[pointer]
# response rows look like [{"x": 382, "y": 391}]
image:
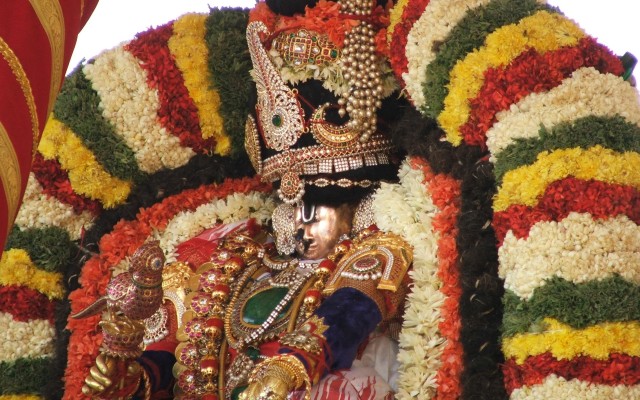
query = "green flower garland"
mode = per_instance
[{"x": 49, "y": 248}]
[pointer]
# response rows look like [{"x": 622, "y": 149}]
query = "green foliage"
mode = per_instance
[
  {"x": 613, "y": 133},
  {"x": 49, "y": 248},
  {"x": 229, "y": 64},
  {"x": 577, "y": 304},
  {"x": 24, "y": 376},
  {"x": 78, "y": 106},
  {"x": 469, "y": 34}
]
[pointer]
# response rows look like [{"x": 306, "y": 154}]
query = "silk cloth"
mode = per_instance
[{"x": 37, "y": 38}]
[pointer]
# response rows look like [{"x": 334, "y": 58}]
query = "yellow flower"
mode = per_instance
[
  {"x": 191, "y": 54},
  {"x": 543, "y": 31},
  {"x": 395, "y": 16},
  {"x": 564, "y": 342},
  {"x": 20, "y": 397},
  {"x": 16, "y": 268},
  {"x": 526, "y": 184},
  {"x": 86, "y": 175}
]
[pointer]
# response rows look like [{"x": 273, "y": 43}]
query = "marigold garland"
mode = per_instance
[
  {"x": 586, "y": 93},
  {"x": 445, "y": 193},
  {"x": 600, "y": 199},
  {"x": 526, "y": 184},
  {"x": 433, "y": 26},
  {"x": 16, "y": 268},
  {"x": 531, "y": 72},
  {"x": 614, "y": 133},
  {"x": 55, "y": 183},
  {"x": 578, "y": 305},
  {"x": 177, "y": 111},
  {"x": 618, "y": 369},
  {"x": 563, "y": 342},
  {"x": 467, "y": 35},
  {"x": 543, "y": 31},
  {"x": 399, "y": 37},
  {"x": 188, "y": 47},
  {"x": 131, "y": 106},
  {"x": 395, "y": 17},
  {"x": 86, "y": 175},
  {"x": 125, "y": 238},
  {"x": 49, "y": 248},
  {"x": 578, "y": 249}
]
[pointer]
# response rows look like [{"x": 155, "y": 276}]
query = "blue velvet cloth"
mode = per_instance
[
  {"x": 351, "y": 317},
  {"x": 158, "y": 365}
]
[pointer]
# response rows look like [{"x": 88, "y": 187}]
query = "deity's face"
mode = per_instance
[{"x": 319, "y": 229}]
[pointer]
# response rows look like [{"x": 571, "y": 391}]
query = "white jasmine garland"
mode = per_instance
[
  {"x": 406, "y": 209},
  {"x": 434, "y": 25},
  {"x": 587, "y": 92},
  {"x": 557, "y": 388},
  {"x": 232, "y": 208},
  {"x": 131, "y": 106},
  {"x": 41, "y": 211},
  {"x": 578, "y": 249},
  {"x": 25, "y": 339}
]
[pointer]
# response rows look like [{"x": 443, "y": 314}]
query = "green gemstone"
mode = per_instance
[
  {"x": 259, "y": 306},
  {"x": 235, "y": 393},
  {"x": 276, "y": 120},
  {"x": 253, "y": 353},
  {"x": 314, "y": 39},
  {"x": 312, "y": 61},
  {"x": 333, "y": 53}
]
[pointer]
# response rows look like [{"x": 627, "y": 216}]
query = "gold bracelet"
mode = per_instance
[{"x": 286, "y": 367}]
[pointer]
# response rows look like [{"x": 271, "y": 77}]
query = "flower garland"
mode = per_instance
[
  {"x": 131, "y": 106},
  {"x": 29, "y": 339},
  {"x": 41, "y": 211},
  {"x": 464, "y": 38},
  {"x": 543, "y": 31},
  {"x": 577, "y": 304},
  {"x": 55, "y": 183},
  {"x": 125, "y": 238},
  {"x": 25, "y": 304},
  {"x": 582, "y": 132},
  {"x": 16, "y": 268},
  {"x": 586, "y": 93},
  {"x": 395, "y": 17},
  {"x": 445, "y": 193},
  {"x": 406, "y": 209},
  {"x": 188, "y": 46},
  {"x": 226, "y": 39},
  {"x": 564, "y": 342},
  {"x": 602, "y": 200},
  {"x": 25, "y": 375},
  {"x": 526, "y": 184},
  {"x": 564, "y": 248},
  {"x": 86, "y": 175},
  {"x": 398, "y": 37},
  {"x": 531, "y": 72},
  {"x": 433, "y": 26},
  {"x": 554, "y": 387},
  {"x": 177, "y": 111},
  {"x": 616, "y": 370},
  {"x": 78, "y": 107}
]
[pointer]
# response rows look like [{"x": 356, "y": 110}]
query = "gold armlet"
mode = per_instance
[{"x": 286, "y": 368}]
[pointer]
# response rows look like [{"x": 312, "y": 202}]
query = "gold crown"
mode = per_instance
[{"x": 280, "y": 118}]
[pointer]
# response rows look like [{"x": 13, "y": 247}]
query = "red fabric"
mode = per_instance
[{"x": 22, "y": 31}]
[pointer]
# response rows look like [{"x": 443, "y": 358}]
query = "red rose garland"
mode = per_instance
[
  {"x": 398, "y": 56},
  {"x": 25, "y": 304}
]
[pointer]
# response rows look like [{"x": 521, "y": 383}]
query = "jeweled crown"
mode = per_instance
[{"x": 320, "y": 80}]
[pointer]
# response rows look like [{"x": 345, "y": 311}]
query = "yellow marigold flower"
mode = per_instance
[
  {"x": 86, "y": 175},
  {"x": 16, "y": 268},
  {"x": 395, "y": 16},
  {"x": 565, "y": 343},
  {"x": 543, "y": 31},
  {"x": 191, "y": 54},
  {"x": 20, "y": 397},
  {"x": 526, "y": 184}
]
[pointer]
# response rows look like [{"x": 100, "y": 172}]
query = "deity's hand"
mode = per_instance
[
  {"x": 268, "y": 388},
  {"x": 275, "y": 378},
  {"x": 112, "y": 377}
]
